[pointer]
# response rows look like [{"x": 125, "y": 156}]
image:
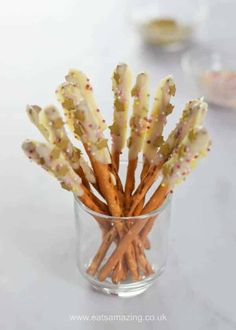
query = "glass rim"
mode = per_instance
[{"x": 125, "y": 218}]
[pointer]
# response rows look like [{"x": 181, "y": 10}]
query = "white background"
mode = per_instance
[{"x": 39, "y": 284}]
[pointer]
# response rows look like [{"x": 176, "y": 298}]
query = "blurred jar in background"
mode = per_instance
[
  {"x": 212, "y": 65},
  {"x": 168, "y": 24}
]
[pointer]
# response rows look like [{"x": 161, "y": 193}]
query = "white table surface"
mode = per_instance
[{"x": 40, "y": 286}]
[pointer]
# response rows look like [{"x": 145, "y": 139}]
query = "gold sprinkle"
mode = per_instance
[
  {"x": 116, "y": 77},
  {"x": 114, "y": 128},
  {"x": 58, "y": 123},
  {"x": 101, "y": 144},
  {"x": 192, "y": 135},
  {"x": 63, "y": 143},
  {"x": 55, "y": 153},
  {"x": 182, "y": 151},
  {"x": 165, "y": 149},
  {"x": 119, "y": 106},
  {"x": 68, "y": 104},
  {"x": 80, "y": 115},
  {"x": 63, "y": 170},
  {"x": 75, "y": 156},
  {"x": 41, "y": 161},
  {"x": 134, "y": 91},
  {"x": 129, "y": 143},
  {"x": 158, "y": 142},
  {"x": 169, "y": 109},
  {"x": 172, "y": 90},
  {"x": 65, "y": 186}
]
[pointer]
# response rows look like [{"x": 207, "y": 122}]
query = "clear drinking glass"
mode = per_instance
[{"x": 151, "y": 254}]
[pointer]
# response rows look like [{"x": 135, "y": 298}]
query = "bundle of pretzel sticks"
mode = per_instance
[{"x": 96, "y": 182}]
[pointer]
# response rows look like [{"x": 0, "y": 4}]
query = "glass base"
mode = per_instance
[{"x": 124, "y": 289}]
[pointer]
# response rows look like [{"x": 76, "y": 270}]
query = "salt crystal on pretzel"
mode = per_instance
[{"x": 121, "y": 86}]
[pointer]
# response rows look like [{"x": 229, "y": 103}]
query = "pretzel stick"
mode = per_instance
[
  {"x": 121, "y": 86},
  {"x": 88, "y": 128},
  {"x": 193, "y": 116},
  {"x": 138, "y": 125},
  {"x": 194, "y": 146},
  {"x": 51, "y": 159}
]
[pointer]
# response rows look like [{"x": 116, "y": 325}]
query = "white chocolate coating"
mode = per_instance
[
  {"x": 33, "y": 112},
  {"x": 139, "y": 121},
  {"x": 121, "y": 86},
  {"x": 51, "y": 119},
  {"x": 83, "y": 121},
  {"x": 52, "y": 160},
  {"x": 161, "y": 109},
  {"x": 193, "y": 116},
  {"x": 81, "y": 80},
  {"x": 194, "y": 146}
]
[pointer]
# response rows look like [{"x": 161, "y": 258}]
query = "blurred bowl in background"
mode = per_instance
[
  {"x": 214, "y": 74},
  {"x": 170, "y": 25}
]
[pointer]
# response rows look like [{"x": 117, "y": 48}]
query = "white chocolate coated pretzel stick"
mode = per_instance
[
  {"x": 178, "y": 167},
  {"x": 51, "y": 159},
  {"x": 121, "y": 86},
  {"x": 138, "y": 125},
  {"x": 158, "y": 118},
  {"x": 50, "y": 118},
  {"x": 51, "y": 125},
  {"x": 161, "y": 109},
  {"x": 193, "y": 116},
  {"x": 191, "y": 149}
]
